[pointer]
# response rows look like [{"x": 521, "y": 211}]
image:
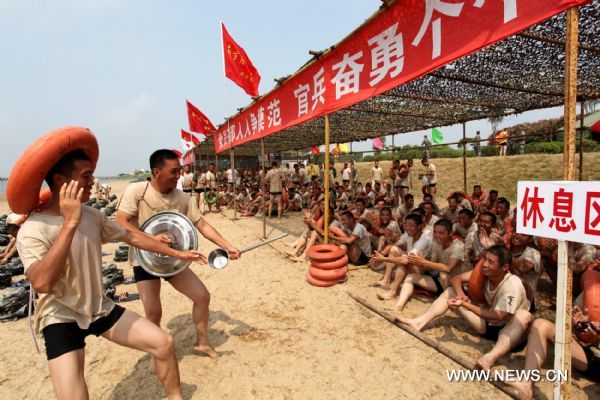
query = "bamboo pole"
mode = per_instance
[
  {"x": 564, "y": 287},
  {"x": 464, "y": 126},
  {"x": 326, "y": 182},
  {"x": 232, "y": 155},
  {"x": 581, "y": 127},
  {"x": 468, "y": 364},
  {"x": 264, "y": 222}
]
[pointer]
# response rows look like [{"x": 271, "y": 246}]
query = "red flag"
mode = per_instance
[
  {"x": 377, "y": 144},
  {"x": 190, "y": 137},
  {"x": 238, "y": 66},
  {"x": 315, "y": 150},
  {"x": 198, "y": 121}
]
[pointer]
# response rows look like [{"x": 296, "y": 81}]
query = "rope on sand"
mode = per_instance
[{"x": 468, "y": 364}]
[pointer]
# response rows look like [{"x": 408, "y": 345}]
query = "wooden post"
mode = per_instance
[
  {"x": 232, "y": 155},
  {"x": 464, "y": 157},
  {"x": 581, "y": 127},
  {"x": 326, "y": 182},
  {"x": 262, "y": 150},
  {"x": 564, "y": 287},
  {"x": 393, "y": 144}
]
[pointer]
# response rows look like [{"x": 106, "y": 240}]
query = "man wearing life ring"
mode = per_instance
[
  {"x": 504, "y": 318},
  {"x": 142, "y": 200},
  {"x": 60, "y": 247}
]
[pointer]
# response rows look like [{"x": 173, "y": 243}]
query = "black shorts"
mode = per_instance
[
  {"x": 593, "y": 370},
  {"x": 187, "y": 190},
  {"x": 438, "y": 285},
  {"x": 402, "y": 187},
  {"x": 504, "y": 144},
  {"x": 363, "y": 259},
  {"x": 65, "y": 337},
  {"x": 492, "y": 332},
  {"x": 432, "y": 184},
  {"x": 275, "y": 193},
  {"x": 199, "y": 190},
  {"x": 140, "y": 274},
  {"x": 313, "y": 178}
]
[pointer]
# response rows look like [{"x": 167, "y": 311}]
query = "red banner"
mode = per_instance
[
  {"x": 189, "y": 157},
  {"x": 402, "y": 43}
]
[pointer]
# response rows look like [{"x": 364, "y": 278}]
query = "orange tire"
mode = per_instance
[
  {"x": 326, "y": 265},
  {"x": 318, "y": 282},
  {"x": 476, "y": 282},
  {"x": 28, "y": 173},
  {"x": 327, "y": 274},
  {"x": 337, "y": 232},
  {"x": 325, "y": 253}
]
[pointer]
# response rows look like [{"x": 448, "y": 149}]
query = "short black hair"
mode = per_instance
[
  {"x": 476, "y": 187},
  {"x": 359, "y": 201},
  {"x": 504, "y": 200},
  {"x": 489, "y": 214},
  {"x": 157, "y": 159},
  {"x": 428, "y": 195},
  {"x": 494, "y": 191},
  {"x": 418, "y": 211},
  {"x": 445, "y": 223},
  {"x": 467, "y": 212},
  {"x": 408, "y": 196},
  {"x": 503, "y": 254},
  {"x": 385, "y": 210},
  {"x": 348, "y": 214},
  {"x": 65, "y": 165},
  {"x": 414, "y": 217}
]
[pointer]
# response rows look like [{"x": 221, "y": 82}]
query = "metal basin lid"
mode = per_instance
[{"x": 183, "y": 235}]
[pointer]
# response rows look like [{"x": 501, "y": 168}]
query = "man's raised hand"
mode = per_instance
[{"x": 70, "y": 202}]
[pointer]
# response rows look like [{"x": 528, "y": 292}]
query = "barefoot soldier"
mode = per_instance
[
  {"x": 61, "y": 249},
  {"x": 142, "y": 200}
]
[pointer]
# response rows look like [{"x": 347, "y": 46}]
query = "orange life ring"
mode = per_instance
[
  {"x": 327, "y": 274},
  {"x": 325, "y": 253},
  {"x": 246, "y": 214},
  {"x": 321, "y": 222},
  {"x": 320, "y": 283},
  {"x": 476, "y": 282},
  {"x": 28, "y": 173},
  {"x": 590, "y": 282},
  {"x": 45, "y": 197},
  {"x": 327, "y": 265},
  {"x": 337, "y": 232}
]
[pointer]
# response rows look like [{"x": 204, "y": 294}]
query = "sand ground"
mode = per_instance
[{"x": 279, "y": 337}]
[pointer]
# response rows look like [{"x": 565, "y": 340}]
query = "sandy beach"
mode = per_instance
[{"x": 279, "y": 338}]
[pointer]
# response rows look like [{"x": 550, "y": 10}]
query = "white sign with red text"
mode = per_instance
[{"x": 563, "y": 210}]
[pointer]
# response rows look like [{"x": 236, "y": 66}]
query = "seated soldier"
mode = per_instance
[
  {"x": 294, "y": 201},
  {"x": 463, "y": 200},
  {"x": 385, "y": 231},
  {"x": 342, "y": 199},
  {"x": 428, "y": 198},
  {"x": 317, "y": 233},
  {"x": 451, "y": 212},
  {"x": 490, "y": 202},
  {"x": 412, "y": 241},
  {"x": 483, "y": 238},
  {"x": 526, "y": 264},
  {"x": 13, "y": 223},
  {"x": 357, "y": 245},
  {"x": 429, "y": 218},
  {"x": 585, "y": 357},
  {"x": 465, "y": 224},
  {"x": 477, "y": 197},
  {"x": 504, "y": 220},
  {"x": 360, "y": 212},
  {"x": 447, "y": 261},
  {"x": 407, "y": 207},
  {"x": 310, "y": 219},
  {"x": 380, "y": 192},
  {"x": 503, "y": 318}
]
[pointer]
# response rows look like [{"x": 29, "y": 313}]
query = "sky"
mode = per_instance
[{"x": 124, "y": 68}]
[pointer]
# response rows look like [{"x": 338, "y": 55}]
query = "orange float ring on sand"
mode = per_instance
[
  {"x": 28, "y": 173},
  {"x": 342, "y": 262},
  {"x": 320, "y": 283},
  {"x": 325, "y": 253},
  {"x": 476, "y": 282},
  {"x": 328, "y": 274},
  {"x": 337, "y": 232}
]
